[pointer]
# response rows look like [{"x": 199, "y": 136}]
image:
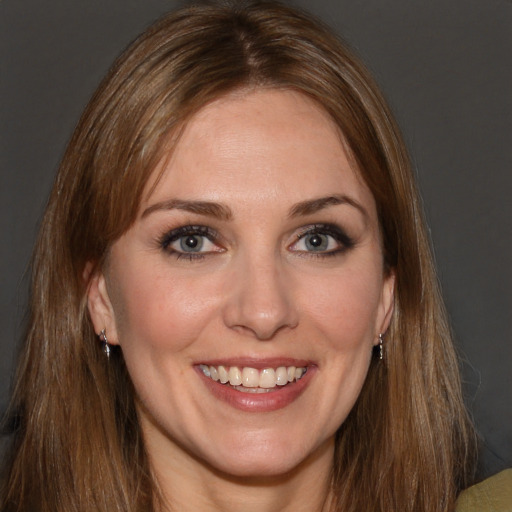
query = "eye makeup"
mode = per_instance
[
  {"x": 191, "y": 241},
  {"x": 195, "y": 242},
  {"x": 322, "y": 240}
]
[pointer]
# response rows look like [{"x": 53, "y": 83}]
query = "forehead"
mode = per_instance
[{"x": 267, "y": 142}]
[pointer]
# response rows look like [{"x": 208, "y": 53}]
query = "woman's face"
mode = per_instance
[{"x": 250, "y": 291}]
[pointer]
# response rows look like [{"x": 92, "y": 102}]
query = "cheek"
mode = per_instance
[
  {"x": 161, "y": 310},
  {"x": 346, "y": 307},
  {"x": 345, "y": 312}
]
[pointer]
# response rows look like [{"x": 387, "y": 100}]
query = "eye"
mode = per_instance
[
  {"x": 190, "y": 241},
  {"x": 322, "y": 240},
  {"x": 316, "y": 242}
]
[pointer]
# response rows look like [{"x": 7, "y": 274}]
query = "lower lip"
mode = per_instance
[{"x": 277, "y": 398}]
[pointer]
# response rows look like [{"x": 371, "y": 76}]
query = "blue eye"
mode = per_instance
[
  {"x": 317, "y": 242},
  {"x": 322, "y": 240},
  {"x": 190, "y": 241}
]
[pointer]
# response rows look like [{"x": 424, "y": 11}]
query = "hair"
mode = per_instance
[{"x": 76, "y": 445}]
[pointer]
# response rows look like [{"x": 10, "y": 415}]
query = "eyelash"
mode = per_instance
[
  {"x": 344, "y": 241},
  {"x": 175, "y": 234}
]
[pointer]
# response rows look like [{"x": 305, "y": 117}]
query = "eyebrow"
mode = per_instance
[
  {"x": 210, "y": 209},
  {"x": 315, "y": 205},
  {"x": 223, "y": 212}
]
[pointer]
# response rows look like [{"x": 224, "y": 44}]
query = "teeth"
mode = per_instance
[
  {"x": 250, "y": 378},
  {"x": 223, "y": 374},
  {"x": 268, "y": 378},
  {"x": 247, "y": 377},
  {"x": 235, "y": 376},
  {"x": 214, "y": 374},
  {"x": 282, "y": 376}
]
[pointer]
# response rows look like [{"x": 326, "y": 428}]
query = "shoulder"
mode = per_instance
[{"x": 491, "y": 495}]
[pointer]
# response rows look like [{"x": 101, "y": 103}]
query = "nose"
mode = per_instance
[{"x": 260, "y": 299}]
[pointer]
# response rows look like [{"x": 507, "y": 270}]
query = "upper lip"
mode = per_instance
[{"x": 256, "y": 362}]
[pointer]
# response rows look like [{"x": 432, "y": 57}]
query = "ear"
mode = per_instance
[
  {"x": 100, "y": 307},
  {"x": 387, "y": 303}
]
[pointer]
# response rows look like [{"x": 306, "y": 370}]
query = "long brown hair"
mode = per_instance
[{"x": 406, "y": 446}]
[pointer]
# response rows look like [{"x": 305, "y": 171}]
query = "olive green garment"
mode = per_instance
[{"x": 491, "y": 495}]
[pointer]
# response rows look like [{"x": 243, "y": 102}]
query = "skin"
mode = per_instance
[{"x": 257, "y": 291}]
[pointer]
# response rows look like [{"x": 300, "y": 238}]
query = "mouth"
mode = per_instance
[
  {"x": 252, "y": 380},
  {"x": 256, "y": 385}
]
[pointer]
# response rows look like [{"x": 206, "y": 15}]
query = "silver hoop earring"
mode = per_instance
[
  {"x": 381, "y": 347},
  {"x": 104, "y": 341}
]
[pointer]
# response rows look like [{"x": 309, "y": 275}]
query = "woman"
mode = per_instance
[{"x": 233, "y": 302}]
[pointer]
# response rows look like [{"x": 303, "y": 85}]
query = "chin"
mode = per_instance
[
  {"x": 257, "y": 468},
  {"x": 269, "y": 460}
]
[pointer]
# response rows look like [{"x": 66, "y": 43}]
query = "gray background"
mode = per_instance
[{"x": 445, "y": 66}]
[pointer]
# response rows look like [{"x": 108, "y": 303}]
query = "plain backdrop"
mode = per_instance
[{"x": 445, "y": 67}]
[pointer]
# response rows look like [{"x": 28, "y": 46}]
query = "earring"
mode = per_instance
[
  {"x": 104, "y": 341},
  {"x": 381, "y": 347}
]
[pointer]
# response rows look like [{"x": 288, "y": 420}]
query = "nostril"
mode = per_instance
[
  {"x": 260, "y": 319},
  {"x": 259, "y": 332},
  {"x": 260, "y": 303}
]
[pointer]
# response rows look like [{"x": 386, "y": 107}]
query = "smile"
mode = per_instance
[{"x": 252, "y": 380}]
